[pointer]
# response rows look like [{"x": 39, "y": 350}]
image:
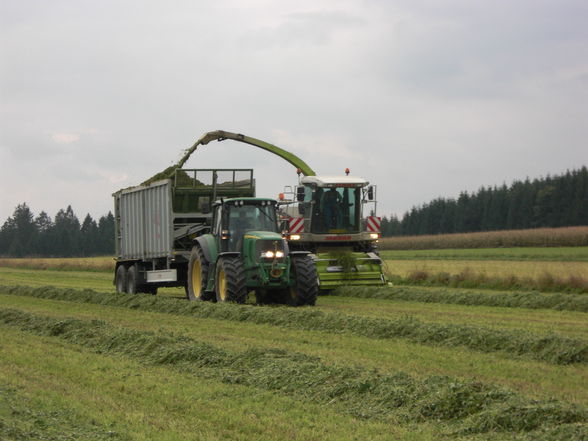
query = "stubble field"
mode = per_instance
[{"x": 398, "y": 363}]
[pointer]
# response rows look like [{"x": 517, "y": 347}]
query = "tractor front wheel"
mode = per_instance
[
  {"x": 230, "y": 280},
  {"x": 305, "y": 286}
]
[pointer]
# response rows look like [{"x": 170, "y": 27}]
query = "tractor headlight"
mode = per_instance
[
  {"x": 269, "y": 254},
  {"x": 279, "y": 254},
  {"x": 295, "y": 237},
  {"x": 374, "y": 236}
]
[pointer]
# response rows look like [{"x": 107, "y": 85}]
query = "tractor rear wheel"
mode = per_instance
[
  {"x": 120, "y": 279},
  {"x": 305, "y": 288},
  {"x": 198, "y": 276},
  {"x": 230, "y": 280}
]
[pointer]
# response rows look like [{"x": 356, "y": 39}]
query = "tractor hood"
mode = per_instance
[{"x": 262, "y": 235}]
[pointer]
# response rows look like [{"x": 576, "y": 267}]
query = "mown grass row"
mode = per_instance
[
  {"x": 21, "y": 420},
  {"x": 529, "y": 299},
  {"x": 539, "y": 237},
  {"x": 550, "y": 348},
  {"x": 466, "y": 407}
]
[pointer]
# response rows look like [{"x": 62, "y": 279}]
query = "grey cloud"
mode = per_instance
[{"x": 424, "y": 98}]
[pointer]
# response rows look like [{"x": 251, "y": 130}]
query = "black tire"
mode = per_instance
[
  {"x": 132, "y": 280},
  {"x": 150, "y": 289},
  {"x": 198, "y": 269},
  {"x": 230, "y": 280},
  {"x": 305, "y": 287},
  {"x": 120, "y": 279}
]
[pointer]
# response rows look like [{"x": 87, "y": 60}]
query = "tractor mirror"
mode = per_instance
[
  {"x": 300, "y": 194},
  {"x": 371, "y": 193},
  {"x": 284, "y": 225}
]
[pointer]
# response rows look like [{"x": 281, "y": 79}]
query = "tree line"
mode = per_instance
[
  {"x": 23, "y": 234},
  {"x": 552, "y": 201}
]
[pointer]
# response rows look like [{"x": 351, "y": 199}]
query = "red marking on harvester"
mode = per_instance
[
  {"x": 296, "y": 225},
  {"x": 373, "y": 224}
]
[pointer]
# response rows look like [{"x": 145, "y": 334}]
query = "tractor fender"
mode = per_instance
[
  {"x": 228, "y": 254},
  {"x": 299, "y": 253},
  {"x": 208, "y": 247}
]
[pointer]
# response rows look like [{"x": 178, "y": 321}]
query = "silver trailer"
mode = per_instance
[{"x": 155, "y": 224}]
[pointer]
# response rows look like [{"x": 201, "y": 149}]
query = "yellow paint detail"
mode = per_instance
[
  {"x": 196, "y": 277},
  {"x": 251, "y": 236},
  {"x": 222, "y": 285}
]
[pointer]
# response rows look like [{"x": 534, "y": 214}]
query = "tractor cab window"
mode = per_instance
[
  {"x": 336, "y": 210},
  {"x": 241, "y": 218}
]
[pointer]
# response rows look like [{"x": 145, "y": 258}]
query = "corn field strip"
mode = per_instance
[
  {"x": 472, "y": 407},
  {"x": 547, "y": 348}
]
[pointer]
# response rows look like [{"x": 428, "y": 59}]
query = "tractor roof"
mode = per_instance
[
  {"x": 249, "y": 199},
  {"x": 334, "y": 181}
]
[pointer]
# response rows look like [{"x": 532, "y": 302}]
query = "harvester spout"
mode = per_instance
[{"x": 221, "y": 135}]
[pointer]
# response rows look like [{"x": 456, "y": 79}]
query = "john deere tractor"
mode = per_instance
[{"x": 245, "y": 251}]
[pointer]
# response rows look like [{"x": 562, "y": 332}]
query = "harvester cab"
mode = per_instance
[
  {"x": 333, "y": 217},
  {"x": 245, "y": 251}
]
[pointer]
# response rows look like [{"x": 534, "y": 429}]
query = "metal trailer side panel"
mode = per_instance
[
  {"x": 157, "y": 212},
  {"x": 145, "y": 222}
]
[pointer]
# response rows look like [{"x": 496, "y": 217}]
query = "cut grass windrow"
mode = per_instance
[
  {"x": 22, "y": 420},
  {"x": 464, "y": 407},
  {"x": 549, "y": 348},
  {"x": 528, "y": 299}
]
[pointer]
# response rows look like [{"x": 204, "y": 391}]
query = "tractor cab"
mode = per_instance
[{"x": 240, "y": 218}]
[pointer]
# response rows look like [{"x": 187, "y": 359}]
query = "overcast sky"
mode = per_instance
[{"x": 422, "y": 98}]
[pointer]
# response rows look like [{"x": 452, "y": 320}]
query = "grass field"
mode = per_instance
[{"x": 402, "y": 363}]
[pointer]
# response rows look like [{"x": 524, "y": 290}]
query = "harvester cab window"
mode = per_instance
[{"x": 336, "y": 210}]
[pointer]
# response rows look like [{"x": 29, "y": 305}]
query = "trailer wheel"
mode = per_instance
[
  {"x": 230, "y": 280},
  {"x": 198, "y": 276},
  {"x": 305, "y": 288},
  {"x": 120, "y": 279},
  {"x": 132, "y": 279}
]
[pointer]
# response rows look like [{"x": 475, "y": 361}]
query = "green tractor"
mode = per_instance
[{"x": 245, "y": 251}]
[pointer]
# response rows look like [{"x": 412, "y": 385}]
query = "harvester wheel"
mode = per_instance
[
  {"x": 198, "y": 276},
  {"x": 305, "y": 288},
  {"x": 230, "y": 280},
  {"x": 120, "y": 279},
  {"x": 132, "y": 279}
]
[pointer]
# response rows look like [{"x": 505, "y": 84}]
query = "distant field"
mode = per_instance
[
  {"x": 492, "y": 268},
  {"x": 105, "y": 263},
  {"x": 563, "y": 254},
  {"x": 541, "y": 237}
]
